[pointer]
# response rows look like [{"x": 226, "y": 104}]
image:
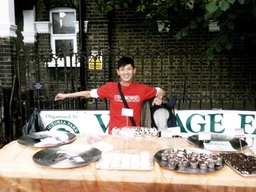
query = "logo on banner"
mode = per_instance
[{"x": 62, "y": 125}]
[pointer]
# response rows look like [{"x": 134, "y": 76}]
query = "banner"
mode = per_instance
[
  {"x": 76, "y": 121},
  {"x": 189, "y": 121},
  {"x": 216, "y": 121}
]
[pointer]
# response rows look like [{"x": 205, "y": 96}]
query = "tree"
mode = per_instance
[{"x": 236, "y": 19}]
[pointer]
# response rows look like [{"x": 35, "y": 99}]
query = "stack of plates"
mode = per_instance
[{"x": 126, "y": 161}]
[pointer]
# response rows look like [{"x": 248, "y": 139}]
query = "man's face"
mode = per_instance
[{"x": 126, "y": 73}]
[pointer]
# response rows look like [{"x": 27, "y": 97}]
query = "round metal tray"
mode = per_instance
[
  {"x": 67, "y": 156},
  {"x": 188, "y": 169}
]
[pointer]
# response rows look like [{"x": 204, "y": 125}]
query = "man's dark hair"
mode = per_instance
[{"x": 125, "y": 61}]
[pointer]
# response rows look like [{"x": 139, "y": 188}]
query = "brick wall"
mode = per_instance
[
  {"x": 7, "y": 61},
  {"x": 161, "y": 60}
]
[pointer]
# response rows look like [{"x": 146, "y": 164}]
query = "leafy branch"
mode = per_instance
[{"x": 236, "y": 18}]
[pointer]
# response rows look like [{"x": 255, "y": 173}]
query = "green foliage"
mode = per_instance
[
  {"x": 75, "y": 2},
  {"x": 236, "y": 18}
]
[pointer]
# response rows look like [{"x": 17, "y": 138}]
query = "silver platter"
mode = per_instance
[
  {"x": 67, "y": 156},
  {"x": 47, "y": 139},
  {"x": 188, "y": 169},
  {"x": 236, "y": 143}
]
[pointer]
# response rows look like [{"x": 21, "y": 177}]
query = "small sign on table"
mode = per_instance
[{"x": 205, "y": 136}]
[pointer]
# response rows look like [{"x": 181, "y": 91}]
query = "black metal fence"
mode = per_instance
[{"x": 228, "y": 82}]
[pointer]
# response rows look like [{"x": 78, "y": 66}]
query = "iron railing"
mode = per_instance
[{"x": 228, "y": 82}]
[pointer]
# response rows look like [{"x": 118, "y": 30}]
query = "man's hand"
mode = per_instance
[
  {"x": 60, "y": 96},
  {"x": 157, "y": 101}
]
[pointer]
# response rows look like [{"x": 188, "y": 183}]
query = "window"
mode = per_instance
[{"x": 63, "y": 34}]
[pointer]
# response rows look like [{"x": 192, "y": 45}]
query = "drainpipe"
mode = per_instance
[{"x": 83, "y": 67}]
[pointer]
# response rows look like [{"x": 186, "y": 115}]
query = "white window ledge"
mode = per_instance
[
  {"x": 42, "y": 26},
  {"x": 28, "y": 37},
  {"x": 8, "y": 30}
]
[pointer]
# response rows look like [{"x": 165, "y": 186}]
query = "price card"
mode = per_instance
[
  {"x": 127, "y": 112},
  {"x": 239, "y": 132},
  {"x": 219, "y": 146},
  {"x": 204, "y": 136},
  {"x": 171, "y": 132},
  {"x": 167, "y": 133},
  {"x": 175, "y": 130}
]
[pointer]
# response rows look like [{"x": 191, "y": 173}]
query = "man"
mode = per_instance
[{"x": 134, "y": 93}]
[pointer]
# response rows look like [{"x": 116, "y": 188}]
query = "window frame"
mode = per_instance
[{"x": 55, "y": 37}]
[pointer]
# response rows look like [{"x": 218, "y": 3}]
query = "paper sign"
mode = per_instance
[
  {"x": 219, "y": 146},
  {"x": 171, "y": 132},
  {"x": 127, "y": 112},
  {"x": 175, "y": 130},
  {"x": 204, "y": 136},
  {"x": 166, "y": 133},
  {"x": 239, "y": 132}
]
